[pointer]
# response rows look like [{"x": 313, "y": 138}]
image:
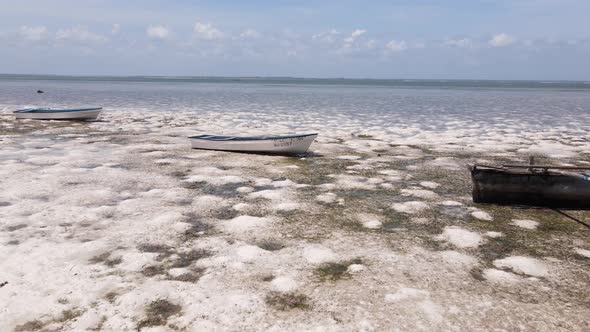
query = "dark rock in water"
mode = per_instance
[{"x": 40, "y": 91}]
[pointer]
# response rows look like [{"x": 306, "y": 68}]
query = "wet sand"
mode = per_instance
[{"x": 118, "y": 225}]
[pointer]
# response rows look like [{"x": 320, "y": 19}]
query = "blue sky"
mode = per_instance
[{"x": 472, "y": 39}]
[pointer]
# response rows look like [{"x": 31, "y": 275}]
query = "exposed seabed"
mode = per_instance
[{"x": 119, "y": 225}]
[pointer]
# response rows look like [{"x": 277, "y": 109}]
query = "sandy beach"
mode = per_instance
[{"x": 118, "y": 225}]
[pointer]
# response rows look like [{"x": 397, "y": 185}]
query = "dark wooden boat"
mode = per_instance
[{"x": 532, "y": 185}]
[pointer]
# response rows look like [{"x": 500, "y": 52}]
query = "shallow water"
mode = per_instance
[{"x": 427, "y": 106}]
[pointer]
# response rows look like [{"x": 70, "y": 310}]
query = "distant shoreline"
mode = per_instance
[{"x": 442, "y": 83}]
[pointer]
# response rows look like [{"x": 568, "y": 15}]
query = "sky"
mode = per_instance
[{"x": 398, "y": 39}]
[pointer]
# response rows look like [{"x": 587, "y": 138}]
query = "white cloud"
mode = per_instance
[
  {"x": 353, "y": 37},
  {"x": 115, "y": 29},
  {"x": 327, "y": 37},
  {"x": 501, "y": 40},
  {"x": 371, "y": 43},
  {"x": 396, "y": 46},
  {"x": 79, "y": 34},
  {"x": 33, "y": 33},
  {"x": 460, "y": 43},
  {"x": 206, "y": 31},
  {"x": 249, "y": 34},
  {"x": 357, "y": 33},
  {"x": 157, "y": 32}
]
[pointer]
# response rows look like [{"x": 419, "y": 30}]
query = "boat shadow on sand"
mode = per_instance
[{"x": 309, "y": 154}]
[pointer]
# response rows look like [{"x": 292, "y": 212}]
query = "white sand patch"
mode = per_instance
[
  {"x": 445, "y": 162},
  {"x": 501, "y": 277},
  {"x": 482, "y": 215},
  {"x": 262, "y": 182},
  {"x": 157, "y": 329},
  {"x": 178, "y": 271},
  {"x": 451, "y": 203},
  {"x": 525, "y": 223},
  {"x": 550, "y": 149},
  {"x": 327, "y": 198},
  {"x": 365, "y": 326},
  {"x": 406, "y": 293},
  {"x": 583, "y": 252},
  {"x": 88, "y": 197},
  {"x": 370, "y": 221},
  {"x": 166, "y": 219},
  {"x": 249, "y": 253},
  {"x": 287, "y": 183},
  {"x": 214, "y": 176},
  {"x": 245, "y": 190},
  {"x": 317, "y": 254},
  {"x": 349, "y": 182},
  {"x": 135, "y": 261},
  {"x": 241, "y": 207},
  {"x": 288, "y": 206},
  {"x": 524, "y": 265},
  {"x": 493, "y": 235},
  {"x": 375, "y": 180},
  {"x": 165, "y": 161},
  {"x": 460, "y": 238},
  {"x": 210, "y": 202},
  {"x": 89, "y": 321},
  {"x": 390, "y": 172},
  {"x": 327, "y": 186},
  {"x": 458, "y": 259},
  {"x": 429, "y": 184},
  {"x": 273, "y": 195},
  {"x": 420, "y": 193},
  {"x": 431, "y": 310},
  {"x": 243, "y": 224},
  {"x": 356, "y": 268},
  {"x": 284, "y": 284},
  {"x": 412, "y": 207}
]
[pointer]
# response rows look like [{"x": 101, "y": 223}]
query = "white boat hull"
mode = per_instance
[
  {"x": 78, "y": 115},
  {"x": 278, "y": 145}
]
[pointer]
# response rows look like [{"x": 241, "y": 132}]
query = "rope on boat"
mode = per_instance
[{"x": 572, "y": 218}]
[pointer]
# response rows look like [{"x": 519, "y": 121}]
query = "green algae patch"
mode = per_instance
[
  {"x": 287, "y": 301},
  {"x": 335, "y": 271},
  {"x": 158, "y": 312}
]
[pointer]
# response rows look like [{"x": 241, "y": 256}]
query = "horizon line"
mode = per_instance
[{"x": 294, "y": 78}]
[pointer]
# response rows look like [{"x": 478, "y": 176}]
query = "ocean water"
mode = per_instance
[{"x": 429, "y": 104}]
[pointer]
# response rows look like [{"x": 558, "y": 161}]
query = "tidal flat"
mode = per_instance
[{"x": 119, "y": 225}]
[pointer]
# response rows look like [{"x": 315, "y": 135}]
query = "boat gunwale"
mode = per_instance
[
  {"x": 221, "y": 138},
  {"x": 529, "y": 169},
  {"x": 47, "y": 110}
]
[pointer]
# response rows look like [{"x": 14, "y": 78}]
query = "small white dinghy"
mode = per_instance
[
  {"x": 58, "y": 114},
  {"x": 277, "y": 144}
]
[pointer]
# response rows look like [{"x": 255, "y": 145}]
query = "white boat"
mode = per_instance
[
  {"x": 276, "y": 144},
  {"x": 58, "y": 114}
]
